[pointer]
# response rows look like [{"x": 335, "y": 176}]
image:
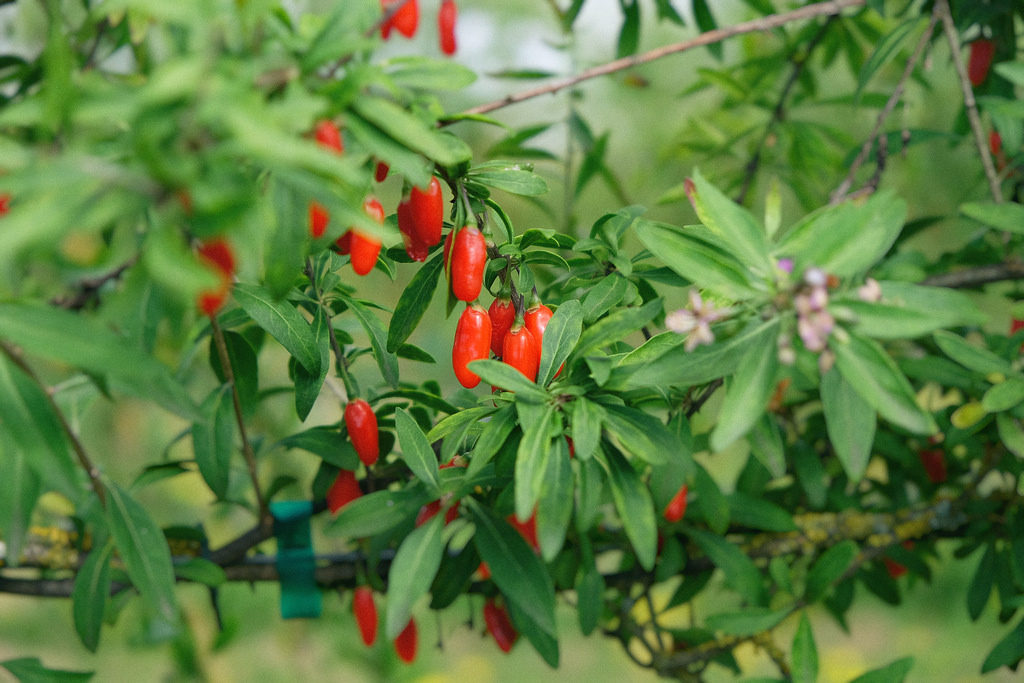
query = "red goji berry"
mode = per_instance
[
  {"x": 426, "y": 211},
  {"x": 406, "y": 20},
  {"x": 469, "y": 258},
  {"x": 527, "y": 529},
  {"x": 521, "y": 351},
  {"x": 982, "y": 51},
  {"x": 499, "y": 625},
  {"x": 365, "y": 248},
  {"x": 318, "y": 219},
  {"x": 446, "y": 26},
  {"x": 380, "y": 173},
  {"x": 536, "y": 320},
  {"x": 502, "y": 314},
  {"x": 427, "y": 512},
  {"x": 406, "y": 642},
  {"x": 329, "y": 137},
  {"x": 934, "y": 462},
  {"x": 676, "y": 507},
  {"x": 361, "y": 423},
  {"x": 472, "y": 341},
  {"x": 343, "y": 491},
  {"x": 218, "y": 255},
  {"x": 365, "y": 610}
]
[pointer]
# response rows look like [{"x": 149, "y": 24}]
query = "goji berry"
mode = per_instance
[
  {"x": 380, "y": 173},
  {"x": 365, "y": 610},
  {"x": 318, "y": 219},
  {"x": 982, "y": 51},
  {"x": 361, "y": 423},
  {"x": 676, "y": 507},
  {"x": 220, "y": 257},
  {"x": 468, "y": 260},
  {"x": 527, "y": 529},
  {"x": 406, "y": 642},
  {"x": 502, "y": 314},
  {"x": 365, "y": 248},
  {"x": 406, "y": 20},
  {"x": 446, "y": 26},
  {"x": 472, "y": 341},
  {"x": 521, "y": 351},
  {"x": 329, "y": 137},
  {"x": 934, "y": 462},
  {"x": 536, "y": 320},
  {"x": 499, "y": 625},
  {"x": 343, "y": 491},
  {"x": 425, "y": 213}
]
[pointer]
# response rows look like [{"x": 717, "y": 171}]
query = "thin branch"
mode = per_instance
[
  {"x": 942, "y": 7},
  {"x": 977, "y": 276},
  {"x": 266, "y": 520},
  {"x": 780, "y": 108},
  {"x": 83, "y": 458},
  {"x": 707, "y": 38},
  {"x": 840, "y": 193}
]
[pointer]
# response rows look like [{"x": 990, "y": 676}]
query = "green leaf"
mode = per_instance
[
  {"x": 896, "y": 672},
  {"x": 1004, "y": 396},
  {"x": 746, "y": 396},
  {"x": 378, "y": 512},
  {"x": 634, "y": 505},
  {"x": 508, "y": 176},
  {"x": 414, "y": 301},
  {"x": 981, "y": 584},
  {"x": 532, "y": 463},
  {"x": 554, "y": 507},
  {"x": 618, "y": 326},
  {"x": 202, "y": 571},
  {"x": 339, "y": 37},
  {"x": 492, "y": 438},
  {"x": 282, "y": 322},
  {"x": 885, "y": 50},
  {"x": 805, "y": 653},
  {"x": 142, "y": 546},
  {"x": 874, "y": 375},
  {"x": 410, "y": 71},
  {"x": 758, "y": 513},
  {"x": 1007, "y": 652},
  {"x": 590, "y": 587},
  {"x": 606, "y": 294},
  {"x": 284, "y": 242},
  {"x": 325, "y": 442},
  {"x": 412, "y": 571},
  {"x": 516, "y": 570},
  {"x": 37, "y": 440},
  {"x": 749, "y": 622},
  {"x": 687, "y": 252},
  {"x": 213, "y": 440},
  {"x": 706, "y": 22},
  {"x": 739, "y": 231},
  {"x": 710, "y": 502},
  {"x": 560, "y": 337},
  {"x": 908, "y": 311},
  {"x": 386, "y": 361},
  {"x": 740, "y": 571},
  {"x": 850, "y": 421},
  {"x": 510, "y": 379},
  {"x": 45, "y": 331},
  {"x": 416, "y": 451},
  {"x": 847, "y": 239},
  {"x": 642, "y": 435},
  {"x": 766, "y": 445},
  {"x": 832, "y": 564},
  {"x": 629, "y": 33},
  {"x": 1007, "y": 216},
  {"x": 402, "y": 160},
  {"x": 586, "y": 427},
  {"x": 89, "y": 596},
  {"x": 307, "y": 384},
  {"x": 31, "y": 670},
  {"x": 971, "y": 357},
  {"x": 1011, "y": 433},
  {"x": 413, "y": 132}
]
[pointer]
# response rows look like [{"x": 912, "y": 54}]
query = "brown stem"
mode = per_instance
[
  {"x": 942, "y": 8},
  {"x": 978, "y": 275},
  {"x": 76, "y": 444},
  {"x": 840, "y": 194},
  {"x": 706, "y": 38},
  {"x": 266, "y": 520}
]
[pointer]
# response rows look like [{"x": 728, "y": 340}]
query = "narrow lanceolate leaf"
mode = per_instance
[
  {"x": 850, "y": 421},
  {"x": 847, "y": 239},
  {"x": 416, "y": 450},
  {"x": 735, "y": 226},
  {"x": 213, "y": 440},
  {"x": 873, "y": 374},
  {"x": 970, "y": 356},
  {"x": 805, "y": 653},
  {"x": 89, "y": 597},
  {"x": 885, "y": 50},
  {"x": 21, "y": 491},
  {"x": 413, "y": 302},
  {"x": 633, "y": 503},
  {"x": 748, "y": 622},
  {"x": 896, "y": 672},
  {"x": 740, "y": 571},
  {"x": 1007, "y": 652},
  {"x": 378, "y": 512},
  {"x": 618, "y": 326},
  {"x": 554, "y": 509},
  {"x": 642, "y": 435},
  {"x": 532, "y": 463},
  {"x": 907, "y": 311},
  {"x": 282, "y": 322},
  {"x": 517, "y": 571},
  {"x": 712, "y": 266},
  {"x": 560, "y": 337},
  {"x": 413, "y": 132},
  {"x": 307, "y": 384},
  {"x": 44, "y": 331},
  {"x": 142, "y": 546},
  {"x": 386, "y": 361},
  {"x": 31, "y": 670},
  {"x": 747, "y": 395},
  {"x": 509, "y": 177},
  {"x": 507, "y": 377},
  {"x": 1006, "y": 216},
  {"x": 832, "y": 564},
  {"x": 412, "y": 571},
  {"x": 586, "y": 427}
]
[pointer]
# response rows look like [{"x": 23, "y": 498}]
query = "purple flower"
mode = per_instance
[{"x": 695, "y": 321}]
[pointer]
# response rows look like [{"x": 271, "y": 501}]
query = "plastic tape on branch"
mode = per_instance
[{"x": 296, "y": 563}]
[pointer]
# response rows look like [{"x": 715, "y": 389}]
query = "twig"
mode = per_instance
[
  {"x": 942, "y": 8},
  {"x": 266, "y": 520},
  {"x": 88, "y": 289},
  {"x": 840, "y": 193},
  {"x": 83, "y": 458},
  {"x": 977, "y": 276},
  {"x": 780, "y": 108},
  {"x": 706, "y": 38}
]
